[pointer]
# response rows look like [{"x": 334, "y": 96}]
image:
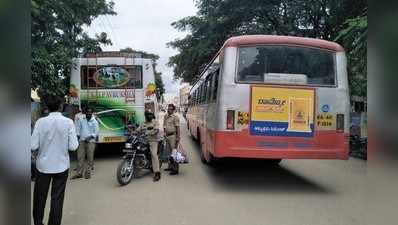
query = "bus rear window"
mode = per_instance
[
  {"x": 111, "y": 77},
  {"x": 286, "y": 64}
]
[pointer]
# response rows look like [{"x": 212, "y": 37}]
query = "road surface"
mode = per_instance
[{"x": 239, "y": 192}]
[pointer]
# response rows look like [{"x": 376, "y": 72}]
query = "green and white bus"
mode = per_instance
[{"x": 118, "y": 86}]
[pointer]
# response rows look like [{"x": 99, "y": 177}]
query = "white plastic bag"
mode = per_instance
[{"x": 178, "y": 156}]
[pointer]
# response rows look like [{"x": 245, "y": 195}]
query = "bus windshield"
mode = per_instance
[{"x": 309, "y": 66}]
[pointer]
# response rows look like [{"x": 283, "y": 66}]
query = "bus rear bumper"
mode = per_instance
[
  {"x": 325, "y": 145},
  {"x": 261, "y": 153}
]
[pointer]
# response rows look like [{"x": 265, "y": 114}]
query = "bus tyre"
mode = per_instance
[
  {"x": 198, "y": 137},
  {"x": 274, "y": 162},
  {"x": 212, "y": 161},
  {"x": 202, "y": 158}
]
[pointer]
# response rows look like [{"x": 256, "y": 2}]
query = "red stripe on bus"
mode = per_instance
[{"x": 324, "y": 145}]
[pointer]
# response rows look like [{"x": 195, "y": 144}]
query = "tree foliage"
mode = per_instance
[
  {"x": 217, "y": 20},
  {"x": 58, "y": 36},
  {"x": 354, "y": 38},
  {"x": 158, "y": 75}
]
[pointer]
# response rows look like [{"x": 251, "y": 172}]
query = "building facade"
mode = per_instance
[{"x": 183, "y": 96}]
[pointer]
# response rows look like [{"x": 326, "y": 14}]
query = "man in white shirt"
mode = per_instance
[
  {"x": 80, "y": 114},
  {"x": 87, "y": 131},
  {"x": 52, "y": 136}
]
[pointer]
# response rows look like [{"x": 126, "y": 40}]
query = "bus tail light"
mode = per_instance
[
  {"x": 340, "y": 123},
  {"x": 230, "y": 119}
]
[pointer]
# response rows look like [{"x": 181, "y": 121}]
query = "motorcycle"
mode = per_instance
[
  {"x": 137, "y": 158},
  {"x": 358, "y": 146}
]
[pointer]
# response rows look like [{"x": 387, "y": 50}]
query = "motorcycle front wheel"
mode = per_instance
[{"x": 125, "y": 171}]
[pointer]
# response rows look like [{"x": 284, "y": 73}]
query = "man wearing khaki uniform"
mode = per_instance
[
  {"x": 87, "y": 129},
  {"x": 171, "y": 126},
  {"x": 151, "y": 130}
]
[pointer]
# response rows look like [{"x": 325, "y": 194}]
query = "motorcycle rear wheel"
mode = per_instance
[{"x": 124, "y": 175}]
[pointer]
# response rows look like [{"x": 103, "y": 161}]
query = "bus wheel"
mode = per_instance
[
  {"x": 202, "y": 158},
  {"x": 198, "y": 137},
  {"x": 274, "y": 162},
  {"x": 212, "y": 161}
]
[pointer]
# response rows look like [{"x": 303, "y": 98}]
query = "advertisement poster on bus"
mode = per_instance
[
  {"x": 115, "y": 93},
  {"x": 278, "y": 111}
]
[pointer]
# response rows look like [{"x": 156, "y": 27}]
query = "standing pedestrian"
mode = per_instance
[
  {"x": 44, "y": 112},
  {"x": 80, "y": 114},
  {"x": 87, "y": 132},
  {"x": 171, "y": 126},
  {"x": 151, "y": 128},
  {"x": 52, "y": 136}
]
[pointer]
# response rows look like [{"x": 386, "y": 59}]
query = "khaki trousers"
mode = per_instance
[
  {"x": 85, "y": 157},
  {"x": 154, "y": 156},
  {"x": 172, "y": 141}
]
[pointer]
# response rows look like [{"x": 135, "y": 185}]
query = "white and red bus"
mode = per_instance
[{"x": 272, "y": 97}]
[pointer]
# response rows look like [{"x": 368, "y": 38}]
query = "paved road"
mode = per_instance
[{"x": 299, "y": 192}]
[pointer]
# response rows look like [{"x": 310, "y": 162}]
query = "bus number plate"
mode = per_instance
[
  {"x": 113, "y": 139},
  {"x": 325, "y": 121}
]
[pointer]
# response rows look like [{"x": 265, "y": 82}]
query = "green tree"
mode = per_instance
[
  {"x": 160, "y": 90},
  {"x": 217, "y": 20},
  {"x": 57, "y": 37},
  {"x": 354, "y": 38}
]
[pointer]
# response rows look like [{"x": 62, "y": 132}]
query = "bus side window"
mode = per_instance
[
  {"x": 208, "y": 86},
  {"x": 201, "y": 93},
  {"x": 206, "y": 90},
  {"x": 210, "y": 97},
  {"x": 211, "y": 88},
  {"x": 197, "y": 96},
  {"x": 215, "y": 84},
  {"x": 193, "y": 98}
]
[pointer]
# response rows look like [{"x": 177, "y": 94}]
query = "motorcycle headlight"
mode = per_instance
[{"x": 128, "y": 145}]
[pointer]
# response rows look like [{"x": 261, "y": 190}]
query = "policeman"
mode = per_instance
[
  {"x": 151, "y": 128},
  {"x": 171, "y": 126}
]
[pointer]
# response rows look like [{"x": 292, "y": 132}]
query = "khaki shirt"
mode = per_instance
[
  {"x": 152, "y": 134},
  {"x": 170, "y": 123}
]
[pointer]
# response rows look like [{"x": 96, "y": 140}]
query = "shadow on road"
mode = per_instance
[
  {"x": 113, "y": 150},
  {"x": 103, "y": 151},
  {"x": 257, "y": 176}
]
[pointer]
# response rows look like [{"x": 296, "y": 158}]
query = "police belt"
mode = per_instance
[{"x": 170, "y": 134}]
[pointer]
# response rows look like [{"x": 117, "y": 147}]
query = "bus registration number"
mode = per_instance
[
  {"x": 325, "y": 121},
  {"x": 113, "y": 139}
]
